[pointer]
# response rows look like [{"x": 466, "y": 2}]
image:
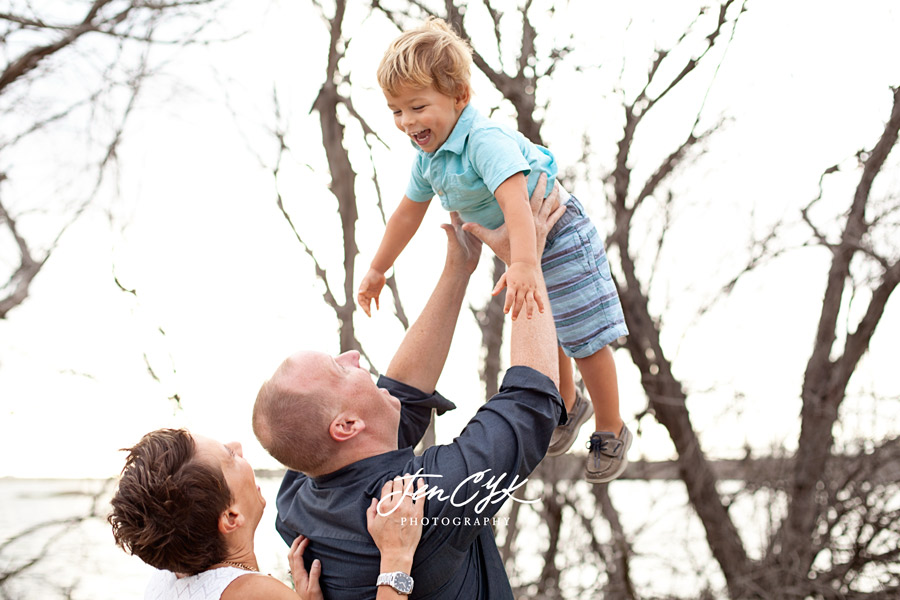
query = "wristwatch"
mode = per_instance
[{"x": 400, "y": 581}]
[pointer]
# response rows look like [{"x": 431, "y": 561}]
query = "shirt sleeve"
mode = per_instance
[
  {"x": 419, "y": 188},
  {"x": 498, "y": 449},
  {"x": 415, "y": 412},
  {"x": 496, "y": 155}
]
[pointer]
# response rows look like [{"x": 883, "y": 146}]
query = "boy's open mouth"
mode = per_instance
[{"x": 422, "y": 137}]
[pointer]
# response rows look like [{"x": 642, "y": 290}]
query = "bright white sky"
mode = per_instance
[{"x": 805, "y": 85}]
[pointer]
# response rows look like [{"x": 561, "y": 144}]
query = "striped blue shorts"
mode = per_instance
[{"x": 583, "y": 297}]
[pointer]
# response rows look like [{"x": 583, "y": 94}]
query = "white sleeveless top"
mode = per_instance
[{"x": 208, "y": 585}]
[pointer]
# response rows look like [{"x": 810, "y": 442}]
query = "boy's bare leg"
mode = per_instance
[
  {"x": 578, "y": 411},
  {"x": 609, "y": 444},
  {"x": 566, "y": 379},
  {"x": 598, "y": 371}
]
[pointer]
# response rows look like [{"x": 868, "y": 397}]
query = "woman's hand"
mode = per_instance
[
  {"x": 305, "y": 584},
  {"x": 395, "y": 523}
]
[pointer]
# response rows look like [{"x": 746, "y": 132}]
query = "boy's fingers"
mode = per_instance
[
  {"x": 520, "y": 303},
  {"x": 501, "y": 283},
  {"x": 512, "y": 308},
  {"x": 539, "y": 301},
  {"x": 363, "y": 303}
]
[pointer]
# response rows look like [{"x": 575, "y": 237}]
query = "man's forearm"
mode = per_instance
[
  {"x": 423, "y": 352},
  {"x": 533, "y": 341}
]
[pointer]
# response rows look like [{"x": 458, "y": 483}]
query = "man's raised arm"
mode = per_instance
[
  {"x": 533, "y": 341},
  {"x": 422, "y": 354}
]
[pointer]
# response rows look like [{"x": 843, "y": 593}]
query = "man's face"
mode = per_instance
[{"x": 343, "y": 383}]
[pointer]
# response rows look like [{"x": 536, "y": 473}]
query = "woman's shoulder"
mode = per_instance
[
  {"x": 208, "y": 585},
  {"x": 256, "y": 586}
]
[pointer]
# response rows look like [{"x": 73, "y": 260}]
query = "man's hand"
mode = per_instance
[
  {"x": 370, "y": 289},
  {"x": 463, "y": 248},
  {"x": 305, "y": 584},
  {"x": 546, "y": 211}
]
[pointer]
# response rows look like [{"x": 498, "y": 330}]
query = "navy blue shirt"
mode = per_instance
[{"x": 457, "y": 557}]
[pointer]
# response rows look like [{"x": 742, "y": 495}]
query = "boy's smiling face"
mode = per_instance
[{"x": 425, "y": 115}]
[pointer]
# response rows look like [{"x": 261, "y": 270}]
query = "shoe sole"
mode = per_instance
[
  {"x": 587, "y": 414},
  {"x": 615, "y": 474}
]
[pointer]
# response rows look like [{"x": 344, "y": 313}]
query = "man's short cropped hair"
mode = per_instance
[
  {"x": 293, "y": 425},
  {"x": 432, "y": 54},
  {"x": 167, "y": 505}
]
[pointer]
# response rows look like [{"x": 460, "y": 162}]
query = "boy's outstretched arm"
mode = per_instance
[
  {"x": 521, "y": 278},
  {"x": 402, "y": 225}
]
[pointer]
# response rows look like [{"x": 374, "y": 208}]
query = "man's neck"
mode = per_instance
[{"x": 360, "y": 450}]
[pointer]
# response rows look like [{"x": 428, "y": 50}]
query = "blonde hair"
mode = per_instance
[{"x": 432, "y": 54}]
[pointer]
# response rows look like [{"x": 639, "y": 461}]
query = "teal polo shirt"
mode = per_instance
[{"x": 467, "y": 169}]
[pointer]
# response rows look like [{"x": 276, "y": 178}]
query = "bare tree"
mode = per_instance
[
  {"x": 343, "y": 180},
  {"x": 849, "y": 516},
  {"x": 70, "y": 80},
  {"x": 858, "y": 269},
  {"x": 787, "y": 571},
  {"x": 517, "y": 82},
  {"x": 51, "y": 85}
]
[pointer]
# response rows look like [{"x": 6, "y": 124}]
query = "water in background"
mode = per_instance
[{"x": 81, "y": 561}]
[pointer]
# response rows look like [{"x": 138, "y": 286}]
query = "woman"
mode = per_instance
[{"x": 189, "y": 506}]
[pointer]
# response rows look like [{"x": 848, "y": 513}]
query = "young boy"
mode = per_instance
[{"x": 478, "y": 168}]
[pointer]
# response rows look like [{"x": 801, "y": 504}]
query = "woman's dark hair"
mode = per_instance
[{"x": 166, "y": 508}]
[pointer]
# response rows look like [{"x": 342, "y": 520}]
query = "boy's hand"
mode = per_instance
[
  {"x": 520, "y": 280},
  {"x": 370, "y": 289}
]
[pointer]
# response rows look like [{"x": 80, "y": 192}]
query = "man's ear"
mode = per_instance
[
  {"x": 345, "y": 427},
  {"x": 230, "y": 521}
]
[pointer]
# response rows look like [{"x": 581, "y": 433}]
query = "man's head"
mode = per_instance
[
  {"x": 318, "y": 413},
  {"x": 425, "y": 79}
]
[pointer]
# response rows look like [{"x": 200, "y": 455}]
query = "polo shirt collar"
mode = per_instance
[{"x": 456, "y": 142}]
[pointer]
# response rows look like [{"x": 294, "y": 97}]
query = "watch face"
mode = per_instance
[{"x": 402, "y": 582}]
